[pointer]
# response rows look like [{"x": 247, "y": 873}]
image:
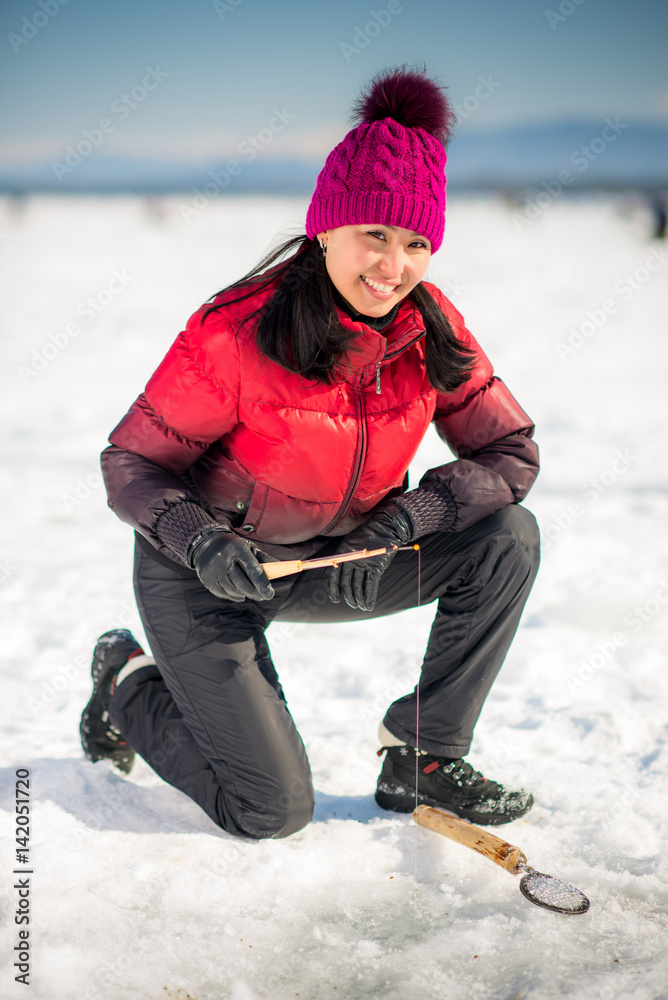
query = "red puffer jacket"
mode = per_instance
[{"x": 292, "y": 459}]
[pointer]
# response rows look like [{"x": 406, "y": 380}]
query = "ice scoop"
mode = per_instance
[{"x": 543, "y": 890}]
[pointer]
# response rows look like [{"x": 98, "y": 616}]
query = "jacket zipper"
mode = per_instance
[
  {"x": 394, "y": 354},
  {"x": 355, "y": 477},
  {"x": 357, "y": 470}
]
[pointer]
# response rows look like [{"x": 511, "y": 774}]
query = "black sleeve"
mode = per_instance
[{"x": 156, "y": 502}]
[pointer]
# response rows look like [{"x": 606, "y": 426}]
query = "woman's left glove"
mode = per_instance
[{"x": 357, "y": 582}]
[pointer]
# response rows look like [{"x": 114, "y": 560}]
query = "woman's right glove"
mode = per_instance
[{"x": 227, "y": 565}]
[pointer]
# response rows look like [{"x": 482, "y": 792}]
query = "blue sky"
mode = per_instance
[{"x": 226, "y": 65}]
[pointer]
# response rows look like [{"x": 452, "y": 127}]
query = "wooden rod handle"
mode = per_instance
[
  {"x": 274, "y": 570},
  {"x": 286, "y": 567},
  {"x": 497, "y": 850}
]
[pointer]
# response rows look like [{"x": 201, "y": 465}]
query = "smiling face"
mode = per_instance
[{"x": 374, "y": 267}]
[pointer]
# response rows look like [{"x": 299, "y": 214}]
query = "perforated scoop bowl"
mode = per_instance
[{"x": 551, "y": 892}]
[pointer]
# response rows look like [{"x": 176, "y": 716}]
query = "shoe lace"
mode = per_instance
[
  {"x": 459, "y": 770},
  {"x": 462, "y": 772}
]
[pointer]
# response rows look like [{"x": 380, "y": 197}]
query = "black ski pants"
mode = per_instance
[{"x": 211, "y": 718}]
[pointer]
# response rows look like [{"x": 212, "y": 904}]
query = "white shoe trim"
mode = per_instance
[
  {"x": 134, "y": 664},
  {"x": 388, "y": 739}
]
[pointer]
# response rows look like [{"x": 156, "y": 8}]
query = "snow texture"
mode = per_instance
[{"x": 136, "y": 895}]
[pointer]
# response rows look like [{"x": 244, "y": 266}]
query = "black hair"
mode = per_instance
[{"x": 299, "y": 326}]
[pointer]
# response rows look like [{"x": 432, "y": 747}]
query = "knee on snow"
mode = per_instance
[{"x": 290, "y": 811}]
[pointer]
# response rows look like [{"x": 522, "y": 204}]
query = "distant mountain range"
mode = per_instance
[
  {"x": 612, "y": 152},
  {"x": 609, "y": 152}
]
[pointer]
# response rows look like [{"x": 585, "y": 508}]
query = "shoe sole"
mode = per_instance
[
  {"x": 403, "y": 800},
  {"x": 123, "y": 758}
]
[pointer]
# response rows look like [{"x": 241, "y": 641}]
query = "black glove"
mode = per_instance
[
  {"x": 228, "y": 565},
  {"x": 357, "y": 581}
]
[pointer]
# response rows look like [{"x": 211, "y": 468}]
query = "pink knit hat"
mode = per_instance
[{"x": 391, "y": 168}]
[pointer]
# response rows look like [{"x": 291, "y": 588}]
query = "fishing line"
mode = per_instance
[{"x": 417, "y": 718}]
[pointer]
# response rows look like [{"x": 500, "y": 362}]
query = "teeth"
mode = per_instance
[{"x": 378, "y": 286}]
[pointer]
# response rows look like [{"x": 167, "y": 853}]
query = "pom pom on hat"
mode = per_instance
[
  {"x": 390, "y": 169},
  {"x": 411, "y": 98}
]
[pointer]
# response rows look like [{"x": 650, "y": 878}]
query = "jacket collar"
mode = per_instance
[{"x": 370, "y": 347}]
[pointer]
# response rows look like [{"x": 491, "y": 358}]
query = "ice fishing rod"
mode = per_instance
[
  {"x": 286, "y": 567},
  {"x": 543, "y": 890}
]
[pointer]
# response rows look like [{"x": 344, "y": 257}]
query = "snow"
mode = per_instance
[{"x": 136, "y": 895}]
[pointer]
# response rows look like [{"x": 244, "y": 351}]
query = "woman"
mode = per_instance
[{"x": 280, "y": 425}]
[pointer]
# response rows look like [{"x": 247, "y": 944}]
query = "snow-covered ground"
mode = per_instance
[{"x": 136, "y": 895}]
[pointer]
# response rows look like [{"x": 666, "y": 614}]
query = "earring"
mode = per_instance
[{"x": 323, "y": 247}]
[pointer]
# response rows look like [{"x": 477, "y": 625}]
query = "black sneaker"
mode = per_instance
[
  {"x": 100, "y": 739},
  {"x": 445, "y": 784}
]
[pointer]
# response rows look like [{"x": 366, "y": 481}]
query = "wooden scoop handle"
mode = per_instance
[{"x": 497, "y": 850}]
